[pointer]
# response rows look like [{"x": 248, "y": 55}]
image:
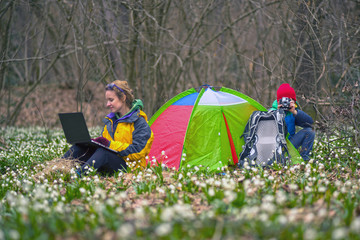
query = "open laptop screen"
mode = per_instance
[{"x": 74, "y": 127}]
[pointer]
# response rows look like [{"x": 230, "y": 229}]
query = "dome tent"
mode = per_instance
[{"x": 201, "y": 128}]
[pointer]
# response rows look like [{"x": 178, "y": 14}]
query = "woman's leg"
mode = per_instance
[
  {"x": 103, "y": 160},
  {"x": 78, "y": 152},
  {"x": 304, "y": 139}
]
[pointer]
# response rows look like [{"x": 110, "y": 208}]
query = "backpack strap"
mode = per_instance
[
  {"x": 250, "y": 140},
  {"x": 281, "y": 153}
]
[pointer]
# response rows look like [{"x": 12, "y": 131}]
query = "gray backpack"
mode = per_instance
[{"x": 265, "y": 139}]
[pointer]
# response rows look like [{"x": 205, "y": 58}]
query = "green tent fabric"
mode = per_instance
[{"x": 202, "y": 128}]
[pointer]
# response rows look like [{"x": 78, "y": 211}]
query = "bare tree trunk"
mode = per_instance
[
  {"x": 5, "y": 45},
  {"x": 308, "y": 18}
]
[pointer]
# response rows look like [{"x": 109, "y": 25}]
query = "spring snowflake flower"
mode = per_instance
[
  {"x": 110, "y": 202},
  {"x": 322, "y": 189},
  {"x": 282, "y": 219},
  {"x": 217, "y": 183},
  {"x": 230, "y": 196},
  {"x": 263, "y": 217},
  {"x": 355, "y": 225},
  {"x": 163, "y": 229},
  {"x": 211, "y": 192},
  {"x": 340, "y": 233},
  {"x": 280, "y": 197},
  {"x": 125, "y": 230},
  {"x": 139, "y": 213},
  {"x": 293, "y": 187},
  {"x": 309, "y": 234},
  {"x": 14, "y": 234}
]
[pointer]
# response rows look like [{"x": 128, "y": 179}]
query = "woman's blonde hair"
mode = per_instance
[{"x": 123, "y": 85}]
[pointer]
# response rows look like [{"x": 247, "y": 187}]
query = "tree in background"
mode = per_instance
[{"x": 163, "y": 47}]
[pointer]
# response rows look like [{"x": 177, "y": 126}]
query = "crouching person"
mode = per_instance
[
  {"x": 302, "y": 140},
  {"x": 126, "y": 131}
]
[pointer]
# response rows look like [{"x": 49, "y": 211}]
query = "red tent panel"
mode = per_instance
[{"x": 169, "y": 131}]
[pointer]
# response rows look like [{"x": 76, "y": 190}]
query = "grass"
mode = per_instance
[{"x": 41, "y": 197}]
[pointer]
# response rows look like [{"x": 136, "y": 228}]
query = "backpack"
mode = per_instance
[{"x": 265, "y": 139}]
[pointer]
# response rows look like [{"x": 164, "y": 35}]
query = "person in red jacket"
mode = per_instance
[
  {"x": 126, "y": 131},
  {"x": 303, "y": 140}
]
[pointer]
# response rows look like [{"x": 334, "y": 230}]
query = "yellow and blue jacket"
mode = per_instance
[{"x": 130, "y": 135}]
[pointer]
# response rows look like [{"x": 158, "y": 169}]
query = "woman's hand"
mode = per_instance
[{"x": 102, "y": 141}]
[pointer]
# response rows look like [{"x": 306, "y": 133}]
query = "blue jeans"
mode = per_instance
[
  {"x": 99, "y": 158},
  {"x": 303, "y": 141}
]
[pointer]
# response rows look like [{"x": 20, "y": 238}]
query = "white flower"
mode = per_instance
[
  {"x": 163, "y": 229},
  {"x": 310, "y": 234},
  {"x": 119, "y": 211},
  {"x": 340, "y": 233},
  {"x": 355, "y": 225},
  {"x": 167, "y": 214},
  {"x": 280, "y": 197},
  {"x": 217, "y": 183},
  {"x": 268, "y": 207},
  {"x": 264, "y": 217},
  {"x": 268, "y": 198},
  {"x": 139, "y": 213},
  {"x": 125, "y": 230},
  {"x": 14, "y": 234},
  {"x": 293, "y": 187},
  {"x": 211, "y": 192},
  {"x": 282, "y": 219},
  {"x": 322, "y": 189},
  {"x": 110, "y": 202}
]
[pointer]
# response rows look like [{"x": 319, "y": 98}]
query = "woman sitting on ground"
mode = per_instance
[{"x": 126, "y": 131}]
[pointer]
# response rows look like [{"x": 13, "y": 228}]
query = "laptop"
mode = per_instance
[{"x": 76, "y": 131}]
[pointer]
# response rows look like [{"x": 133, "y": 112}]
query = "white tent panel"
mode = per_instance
[{"x": 213, "y": 98}]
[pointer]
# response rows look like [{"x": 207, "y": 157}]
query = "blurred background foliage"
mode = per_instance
[{"x": 58, "y": 53}]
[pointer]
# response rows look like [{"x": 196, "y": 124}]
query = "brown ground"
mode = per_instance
[{"x": 42, "y": 106}]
